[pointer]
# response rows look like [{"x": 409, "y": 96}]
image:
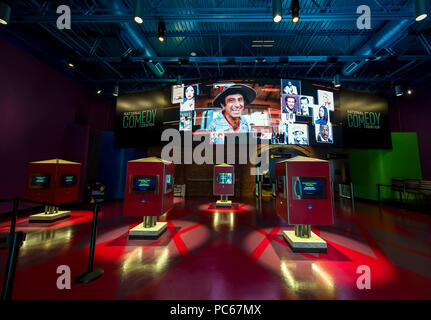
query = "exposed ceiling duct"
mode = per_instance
[
  {"x": 135, "y": 39},
  {"x": 386, "y": 37}
]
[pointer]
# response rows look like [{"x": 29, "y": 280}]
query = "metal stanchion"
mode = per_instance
[
  {"x": 14, "y": 245},
  {"x": 91, "y": 274},
  {"x": 15, "y": 240}
]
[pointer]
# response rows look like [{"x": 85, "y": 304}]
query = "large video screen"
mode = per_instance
[{"x": 282, "y": 111}]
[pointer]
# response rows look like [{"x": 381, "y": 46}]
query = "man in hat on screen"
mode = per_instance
[{"x": 233, "y": 101}]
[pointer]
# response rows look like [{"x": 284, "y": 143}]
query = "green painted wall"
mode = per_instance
[{"x": 370, "y": 167}]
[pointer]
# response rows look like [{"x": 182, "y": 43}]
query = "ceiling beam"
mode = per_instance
[
  {"x": 215, "y": 15},
  {"x": 238, "y": 59}
]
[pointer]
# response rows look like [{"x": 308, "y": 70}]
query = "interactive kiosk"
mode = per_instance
[
  {"x": 223, "y": 184},
  {"x": 149, "y": 193},
  {"x": 53, "y": 181},
  {"x": 304, "y": 198}
]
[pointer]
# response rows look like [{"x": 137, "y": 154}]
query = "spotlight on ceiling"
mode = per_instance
[
  {"x": 4, "y": 13},
  {"x": 294, "y": 6},
  {"x": 337, "y": 82},
  {"x": 116, "y": 90},
  {"x": 409, "y": 92},
  {"x": 161, "y": 31},
  {"x": 71, "y": 61},
  {"x": 259, "y": 60},
  {"x": 421, "y": 10},
  {"x": 99, "y": 91},
  {"x": 276, "y": 11},
  {"x": 139, "y": 12},
  {"x": 398, "y": 90}
]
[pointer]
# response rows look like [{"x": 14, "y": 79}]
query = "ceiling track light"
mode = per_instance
[
  {"x": 116, "y": 90},
  {"x": 337, "y": 82},
  {"x": 398, "y": 90},
  {"x": 139, "y": 12},
  {"x": 161, "y": 31},
  {"x": 4, "y": 13},
  {"x": 294, "y": 7},
  {"x": 71, "y": 62},
  {"x": 277, "y": 14},
  {"x": 421, "y": 10}
]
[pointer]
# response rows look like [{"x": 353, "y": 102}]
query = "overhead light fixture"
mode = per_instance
[
  {"x": 193, "y": 54},
  {"x": 116, "y": 90},
  {"x": 277, "y": 15},
  {"x": 259, "y": 60},
  {"x": 262, "y": 43},
  {"x": 71, "y": 61},
  {"x": 421, "y": 10},
  {"x": 99, "y": 91},
  {"x": 161, "y": 31},
  {"x": 409, "y": 92},
  {"x": 398, "y": 90},
  {"x": 336, "y": 81},
  {"x": 139, "y": 10},
  {"x": 148, "y": 60},
  {"x": 294, "y": 6},
  {"x": 4, "y": 13}
]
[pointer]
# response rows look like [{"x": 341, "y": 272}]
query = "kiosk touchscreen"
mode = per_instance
[
  {"x": 304, "y": 198},
  {"x": 54, "y": 182},
  {"x": 149, "y": 194},
  {"x": 223, "y": 185}
]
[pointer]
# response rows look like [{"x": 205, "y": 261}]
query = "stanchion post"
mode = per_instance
[
  {"x": 14, "y": 216},
  {"x": 91, "y": 274},
  {"x": 14, "y": 244}
]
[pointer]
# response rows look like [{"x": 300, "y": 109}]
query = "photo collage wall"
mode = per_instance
[{"x": 289, "y": 112}]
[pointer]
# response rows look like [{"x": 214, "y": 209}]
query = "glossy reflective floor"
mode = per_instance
[{"x": 228, "y": 254}]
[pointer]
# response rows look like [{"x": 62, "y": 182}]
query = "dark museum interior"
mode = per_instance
[{"x": 215, "y": 150}]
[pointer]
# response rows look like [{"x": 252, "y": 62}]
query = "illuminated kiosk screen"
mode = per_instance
[
  {"x": 144, "y": 184},
  {"x": 169, "y": 181},
  {"x": 40, "y": 181},
  {"x": 309, "y": 188},
  {"x": 224, "y": 178},
  {"x": 68, "y": 180}
]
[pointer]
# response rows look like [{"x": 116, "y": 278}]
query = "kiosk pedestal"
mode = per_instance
[
  {"x": 223, "y": 184},
  {"x": 53, "y": 181},
  {"x": 304, "y": 198},
  {"x": 150, "y": 194},
  {"x": 302, "y": 239},
  {"x": 149, "y": 229},
  {"x": 51, "y": 214},
  {"x": 223, "y": 202}
]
